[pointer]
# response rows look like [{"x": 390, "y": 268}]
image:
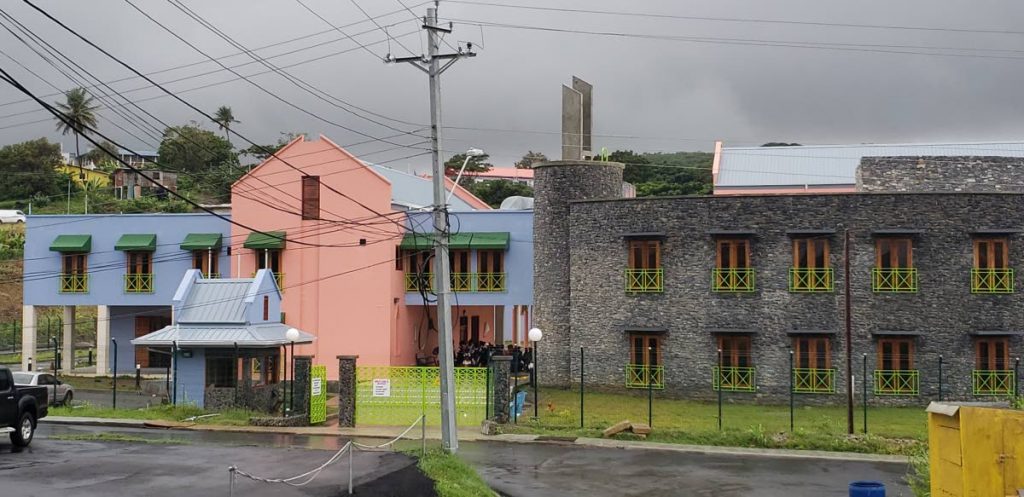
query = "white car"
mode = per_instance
[
  {"x": 10, "y": 217},
  {"x": 64, "y": 392}
]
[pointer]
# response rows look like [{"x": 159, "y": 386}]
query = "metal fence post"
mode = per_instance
[
  {"x": 940, "y": 377},
  {"x": 231, "y": 481},
  {"x": 719, "y": 373},
  {"x": 423, "y": 435},
  {"x": 865, "y": 387},
  {"x": 113, "y": 341},
  {"x": 1016, "y": 376},
  {"x": 791, "y": 399},
  {"x": 581, "y": 388},
  {"x": 351, "y": 449},
  {"x": 56, "y": 362},
  {"x": 650, "y": 393}
]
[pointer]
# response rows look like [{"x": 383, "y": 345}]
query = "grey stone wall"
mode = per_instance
[
  {"x": 941, "y": 174},
  {"x": 347, "y": 390},
  {"x": 556, "y": 184},
  {"x": 943, "y": 311},
  {"x": 501, "y": 393},
  {"x": 301, "y": 384}
]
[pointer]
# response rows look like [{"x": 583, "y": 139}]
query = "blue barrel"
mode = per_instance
[{"x": 867, "y": 489}]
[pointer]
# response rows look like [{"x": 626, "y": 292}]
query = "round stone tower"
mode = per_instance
[{"x": 556, "y": 184}]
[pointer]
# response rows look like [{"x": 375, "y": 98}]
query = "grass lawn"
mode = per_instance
[
  {"x": 118, "y": 437},
  {"x": 452, "y": 476},
  {"x": 233, "y": 417},
  {"x": 46, "y": 355},
  {"x": 891, "y": 429}
]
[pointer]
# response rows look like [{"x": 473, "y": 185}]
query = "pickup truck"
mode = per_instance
[{"x": 20, "y": 408}]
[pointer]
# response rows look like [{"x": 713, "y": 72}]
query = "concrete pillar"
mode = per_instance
[
  {"x": 28, "y": 336},
  {"x": 501, "y": 394},
  {"x": 103, "y": 339},
  {"x": 347, "y": 390},
  {"x": 67, "y": 349}
]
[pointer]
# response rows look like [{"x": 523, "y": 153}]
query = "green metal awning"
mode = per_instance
[
  {"x": 72, "y": 243},
  {"x": 138, "y": 242},
  {"x": 480, "y": 241},
  {"x": 202, "y": 241},
  {"x": 268, "y": 240}
]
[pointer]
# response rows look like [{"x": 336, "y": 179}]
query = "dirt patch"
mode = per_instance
[{"x": 406, "y": 482}]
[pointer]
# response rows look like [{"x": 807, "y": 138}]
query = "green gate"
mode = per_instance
[
  {"x": 318, "y": 395},
  {"x": 397, "y": 396}
]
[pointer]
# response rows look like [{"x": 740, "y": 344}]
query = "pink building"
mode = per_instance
[
  {"x": 332, "y": 226},
  {"x": 513, "y": 174}
]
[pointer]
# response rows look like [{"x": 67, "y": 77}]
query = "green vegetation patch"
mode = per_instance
[
  {"x": 452, "y": 476},
  {"x": 118, "y": 437}
]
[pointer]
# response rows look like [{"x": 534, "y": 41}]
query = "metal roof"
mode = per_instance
[
  {"x": 261, "y": 335},
  {"x": 832, "y": 164},
  {"x": 413, "y": 191},
  {"x": 215, "y": 301}
]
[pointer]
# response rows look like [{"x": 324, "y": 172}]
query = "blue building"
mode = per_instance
[
  {"x": 128, "y": 266},
  {"x": 492, "y": 277}
]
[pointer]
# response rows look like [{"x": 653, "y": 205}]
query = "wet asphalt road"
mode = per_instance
[
  {"x": 536, "y": 470},
  {"x": 61, "y": 468},
  {"x": 516, "y": 470}
]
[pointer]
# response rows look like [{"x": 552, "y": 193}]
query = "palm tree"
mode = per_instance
[
  {"x": 79, "y": 114},
  {"x": 224, "y": 117}
]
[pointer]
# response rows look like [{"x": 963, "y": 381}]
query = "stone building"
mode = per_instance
[{"x": 747, "y": 293}]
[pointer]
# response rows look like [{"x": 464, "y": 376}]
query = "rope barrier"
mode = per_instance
[{"x": 311, "y": 475}]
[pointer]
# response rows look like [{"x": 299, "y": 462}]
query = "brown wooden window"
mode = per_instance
[
  {"x": 310, "y": 197},
  {"x": 811, "y": 253},
  {"x": 993, "y": 354},
  {"x": 991, "y": 253},
  {"x": 812, "y": 353},
  {"x": 896, "y": 354},
  {"x": 735, "y": 351},
  {"x": 644, "y": 254},
  {"x": 266, "y": 308},
  {"x": 207, "y": 262},
  {"x": 399, "y": 258},
  {"x": 139, "y": 262},
  {"x": 269, "y": 259},
  {"x": 462, "y": 279},
  {"x": 894, "y": 253},
  {"x": 644, "y": 349},
  {"x": 75, "y": 263},
  {"x": 490, "y": 261},
  {"x": 733, "y": 254},
  {"x": 419, "y": 261}
]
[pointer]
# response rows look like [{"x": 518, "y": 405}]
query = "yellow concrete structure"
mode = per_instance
[
  {"x": 975, "y": 451},
  {"x": 93, "y": 175}
]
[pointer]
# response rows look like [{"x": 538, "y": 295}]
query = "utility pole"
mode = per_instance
[{"x": 430, "y": 64}]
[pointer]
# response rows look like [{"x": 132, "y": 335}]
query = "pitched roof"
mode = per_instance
[
  {"x": 413, "y": 191},
  {"x": 215, "y": 301},
  {"x": 740, "y": 167},
  {"x": 261, "y": 335}
]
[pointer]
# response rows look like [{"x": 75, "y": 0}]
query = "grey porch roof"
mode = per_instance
[
  {"x": 741, "y": 167},
  {"x": 216, "y": 301},
  {"x": 258, "y": 335}
]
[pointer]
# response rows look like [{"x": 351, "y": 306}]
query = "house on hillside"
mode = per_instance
[
  {"x": 824, "y": 168},
  {"x": 129, "y": 184}
]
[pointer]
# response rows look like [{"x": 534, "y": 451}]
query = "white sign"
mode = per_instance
[
  {"x": 381, "y": 387},
  {"x": 316, "y": 387}
]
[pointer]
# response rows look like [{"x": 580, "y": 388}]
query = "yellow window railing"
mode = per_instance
[
  {"x": 812, "y": 380},
  {"x": 991, "y": 280},
  {"x": 894, "y": 280},
  {"x": 644, "y": 376},
  {"x": 994, "y": 381},
  {"x": 804, "y": 279},
  {"x": 462, "y": 282},
  {"x": 897, "y": 382},
  {"x": 733, "y": 379},
  {"x": 645, "y": 280},
  {"x": 490, "y": 282},
  {"x": 415, "y": 282},
  {"x": 138, "y": 283},
  {"x": 732, "y": 280},
  {"x": 74, "y": 283}
]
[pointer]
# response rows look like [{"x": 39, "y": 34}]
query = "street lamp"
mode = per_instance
[
  {"x": 292, "y": 335},
  {"x": 535, "y": 335},
  {"x": 473, "y": 152}
]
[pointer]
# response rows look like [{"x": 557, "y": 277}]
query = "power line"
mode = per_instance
[
  {"x": 338, "y": 29},
  {"x": 742, "y": 20},
  {"x": 354, "y": 2}
]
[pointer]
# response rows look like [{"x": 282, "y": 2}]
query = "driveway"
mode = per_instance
[{"x": 536, "y": 470}]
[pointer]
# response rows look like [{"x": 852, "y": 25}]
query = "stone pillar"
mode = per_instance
[
  {"x": 301, "y": 378},
  {"x": 501, "y": 392},
  {"x": 103, "y": 339},
  {"x": 347, "y": 390},
  {"x": 28, "y": 336},
  {"x": 556, "y": 185},
  {"x": 67, "y": 362}
]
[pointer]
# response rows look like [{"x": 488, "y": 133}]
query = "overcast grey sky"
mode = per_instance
[{"x": 673, "y": 84}]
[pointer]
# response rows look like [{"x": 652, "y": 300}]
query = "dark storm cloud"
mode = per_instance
[{"x": 650, "y": 94}]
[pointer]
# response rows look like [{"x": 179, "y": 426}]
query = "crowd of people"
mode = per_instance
[{"x": 478, "y": 354}]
